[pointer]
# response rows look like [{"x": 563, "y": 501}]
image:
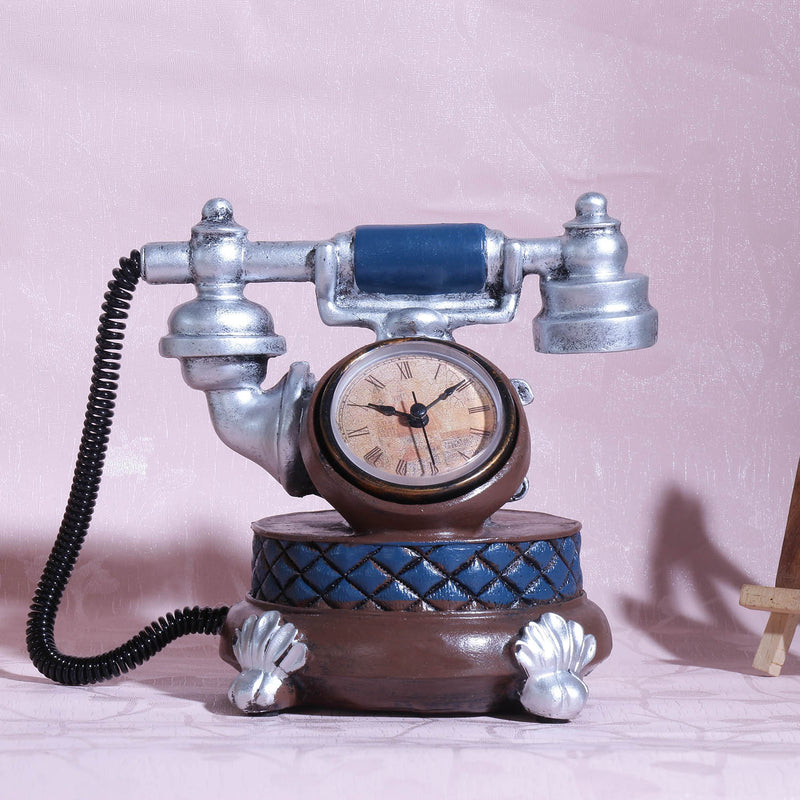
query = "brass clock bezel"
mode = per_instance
[{"x": 323, "y": 414}]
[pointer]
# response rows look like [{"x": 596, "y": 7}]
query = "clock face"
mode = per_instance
[{"x": 423, "y": 417}]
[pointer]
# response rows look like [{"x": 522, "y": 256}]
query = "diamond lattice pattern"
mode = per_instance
[{"x": 416, "y": 577}]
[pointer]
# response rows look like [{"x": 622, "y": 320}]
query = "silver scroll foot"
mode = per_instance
[
  {"x": 554, "y": 653},
  {"x": 268, "y": 650}
]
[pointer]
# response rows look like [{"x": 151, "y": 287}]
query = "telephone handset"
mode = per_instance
[{"x": 415, "y": 441}]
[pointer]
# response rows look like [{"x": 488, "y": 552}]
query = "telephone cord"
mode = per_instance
[{"x": 77, "y": 670}]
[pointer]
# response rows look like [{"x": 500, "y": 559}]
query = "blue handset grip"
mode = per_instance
[{"x": 420, "y": 259}]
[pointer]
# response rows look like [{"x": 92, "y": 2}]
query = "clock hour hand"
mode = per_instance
[{"x": 387, "y": 411}]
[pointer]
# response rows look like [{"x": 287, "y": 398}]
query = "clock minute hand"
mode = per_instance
[{"x": 450, "y": 390}]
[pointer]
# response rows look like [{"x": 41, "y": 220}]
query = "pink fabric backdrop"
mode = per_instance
[{"x": 121, "y": 120}]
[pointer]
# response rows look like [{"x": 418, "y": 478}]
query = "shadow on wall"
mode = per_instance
[
  {"x": 114, "y": 594},
  {"x": 693, "y": 587}
]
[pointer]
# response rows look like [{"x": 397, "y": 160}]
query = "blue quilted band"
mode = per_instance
[{"x": 412, "y": 576}]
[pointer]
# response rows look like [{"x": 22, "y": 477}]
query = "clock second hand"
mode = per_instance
[{"x": 425, "y": 434}]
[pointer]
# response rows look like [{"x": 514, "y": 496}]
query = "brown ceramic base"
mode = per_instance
[
  {"x": 431, "y": 662},
  {"x": 422, "y": 656}
]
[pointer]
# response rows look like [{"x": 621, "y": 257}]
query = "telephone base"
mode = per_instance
[
  {"x": 437, "y": 663},
  {"x": 418, "y": 627}
]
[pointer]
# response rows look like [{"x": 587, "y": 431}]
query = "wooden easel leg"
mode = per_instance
[{"x": 775, "y": 642}]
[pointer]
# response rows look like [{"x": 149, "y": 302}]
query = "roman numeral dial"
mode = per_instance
[{"x": 415, "y": 413}]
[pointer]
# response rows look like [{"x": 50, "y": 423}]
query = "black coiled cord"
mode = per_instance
[{"x": 73, "y": 670}]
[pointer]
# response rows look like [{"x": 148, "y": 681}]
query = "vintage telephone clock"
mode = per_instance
[{"x": 419, "y": 591}]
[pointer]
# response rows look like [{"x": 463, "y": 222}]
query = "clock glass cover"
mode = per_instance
[{"x": 421, "y": 417}]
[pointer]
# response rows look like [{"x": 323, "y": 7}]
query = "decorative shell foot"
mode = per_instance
[
  {"x": 555, "y": 654},
  {"x": 268, "y": 650}
]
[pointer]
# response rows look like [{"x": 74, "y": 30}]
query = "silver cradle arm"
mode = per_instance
[{"x": 224, "y": 341}]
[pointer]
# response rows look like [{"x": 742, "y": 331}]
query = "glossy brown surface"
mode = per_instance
[
  {"x": 330, "y": 526},
  {"x": 460, "y": 516},
  {"x": 372, "y": 511},
  {"x": 429, "y": 661},
  {"x": 423, "y": 661},
  {"x": 433, "y": 663}
]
